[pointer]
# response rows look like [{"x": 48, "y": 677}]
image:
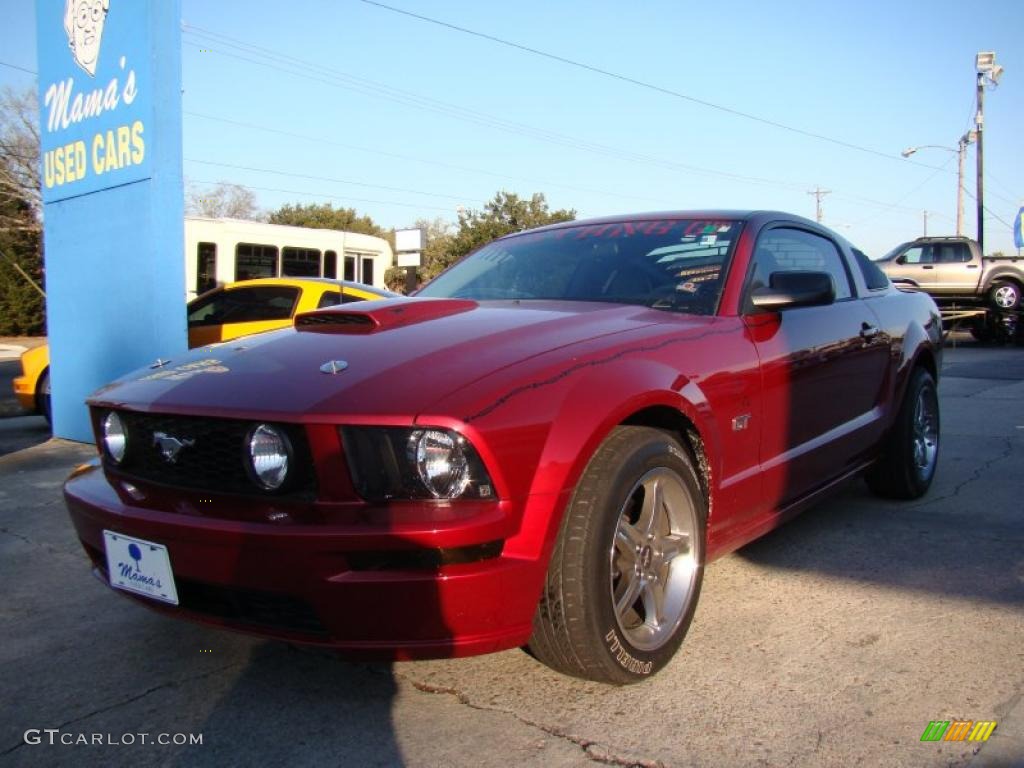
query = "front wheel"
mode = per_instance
[
  {"x": 626, "y": 572},
  {"x": 911, "y": 451},
  {"x": 1005, "y": 295},
  {"x": 43, "y": 400}
]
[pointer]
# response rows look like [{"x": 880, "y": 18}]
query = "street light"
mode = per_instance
[
  {"x": 990, "y": 72},
  {"x": 961, "y": 152}
]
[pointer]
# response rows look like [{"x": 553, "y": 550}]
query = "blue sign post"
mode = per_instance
[
  {"x": 1018, "y": 229},
  {"x": 110, "y": 128}
]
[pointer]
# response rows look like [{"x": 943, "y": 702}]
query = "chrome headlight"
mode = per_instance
[
  {"x": 115, "y": 437},
  {"x": 440, "y": 461},
  {"x": 269, "y": 454},
  {"x": 401, "y": 463}
]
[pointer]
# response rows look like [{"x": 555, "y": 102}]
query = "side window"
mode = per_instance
[
  {"x": 206, "y": 267},
  {"x": 253, "y": 261},
  {"x": 919, "y": 254},
  {"x": 794, "y": 250},
  {"x": 244, "y": 305},
  {"x": 874, "y": 278},
  {"x": 300, "y": 262},
  {"x": 348, "y": 298},
  {"x": 953, "y": 253},
  {"x": 330, "y": 264},
  {"x": 329, "y": 299}
]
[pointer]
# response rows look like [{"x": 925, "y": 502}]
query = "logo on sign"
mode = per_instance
[{"x": 83, "y": 24}]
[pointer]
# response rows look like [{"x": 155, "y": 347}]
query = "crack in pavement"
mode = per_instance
[
  {"x": 132, "y": 700},
  {"x": 975, "y": 475},
  {"x": 593, "y": 750},
  {"x": 45, "y": 547}
]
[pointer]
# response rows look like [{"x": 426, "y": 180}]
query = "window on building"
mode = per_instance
[
  {"x": 253, "y": 261},
  {"x": 350, "y": 268},
  {"x": 206, "y": 267},
  {"x": 300, "y": 262},
  {"x": 367, "y": 276},
  {"x": 330, "y": 264}
]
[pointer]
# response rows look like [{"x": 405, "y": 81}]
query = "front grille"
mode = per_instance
[
  {"x": 214, "y": 461},
  {"x": 241, "y": 607}
]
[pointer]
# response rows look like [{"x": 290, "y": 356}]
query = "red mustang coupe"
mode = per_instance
[{"x": 543, "y": 449}]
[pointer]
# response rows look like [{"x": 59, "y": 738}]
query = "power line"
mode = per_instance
[
  {"x": 379, "y": 90},
  {"x": 20, "y": 69},
  {"x": 461, "y": 198},
  {"x": 635, "y": 81},
  {"x": 318, "y": 194},
  {"x": 412, "y": 158}
]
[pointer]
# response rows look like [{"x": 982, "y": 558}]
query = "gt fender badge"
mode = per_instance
[{"x": 740, "y": 422}]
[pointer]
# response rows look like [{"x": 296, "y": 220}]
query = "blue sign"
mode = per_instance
[
  {"x": 110, "y": 129},
  {"x": 1018, "y": 229},
  {"x": 95, "y": 95}
]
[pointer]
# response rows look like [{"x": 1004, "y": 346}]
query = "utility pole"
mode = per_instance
[
  {"x": 979, "y": 122},
  {"x": 988, "y": 72},
  {"x": 925, "y": 223},
  {"x": 819, "y": 193}
]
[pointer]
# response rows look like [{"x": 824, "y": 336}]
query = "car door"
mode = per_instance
[
  {"x": 958, "y": 275},
  {"x": 240, "y": 311},
  {"x": 916, "y": 264},
  {"x": 823, "y": 369}
]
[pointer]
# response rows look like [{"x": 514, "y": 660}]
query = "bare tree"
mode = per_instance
[
  {"x": 231, "y": 201},
  {"x": 19, "y": 162}
]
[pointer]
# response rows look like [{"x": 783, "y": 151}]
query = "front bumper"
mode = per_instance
[{"x": 375, "y": 590}]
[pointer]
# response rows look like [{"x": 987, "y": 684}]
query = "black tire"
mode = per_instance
[
  {"x": 982, "y": 331},
  {"x": 607, "y": 552},
  {"x": 907, "y": 465},
  {"x": 43, "y": 400},
  {"x": 1005, "y": 295}
]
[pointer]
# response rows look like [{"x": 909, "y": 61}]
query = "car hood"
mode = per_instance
[{"x": 383, "y": 363}]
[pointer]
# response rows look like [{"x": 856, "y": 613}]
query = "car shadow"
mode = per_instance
[{"x": 906, "y": 546}]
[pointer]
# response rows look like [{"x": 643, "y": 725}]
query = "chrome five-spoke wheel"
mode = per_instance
[{"x": 653, "y": 562}]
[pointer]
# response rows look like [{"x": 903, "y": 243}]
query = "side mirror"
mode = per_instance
[{"x": 788, "y": 290}]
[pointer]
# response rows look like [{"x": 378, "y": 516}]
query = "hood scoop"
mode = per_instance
[{"x": 373, "y": 316}]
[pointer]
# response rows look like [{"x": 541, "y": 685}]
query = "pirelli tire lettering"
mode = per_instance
[{"x": 623, "y": 657}]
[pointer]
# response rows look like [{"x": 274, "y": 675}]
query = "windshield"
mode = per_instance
[
  {"x": 672, "y": 264},
  {"x": 893, "y": 253}
]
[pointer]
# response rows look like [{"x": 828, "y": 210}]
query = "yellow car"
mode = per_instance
[{"x": 233, "y": 310}]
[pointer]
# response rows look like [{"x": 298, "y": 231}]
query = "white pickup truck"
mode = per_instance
[{"x": 953, "y": 269}]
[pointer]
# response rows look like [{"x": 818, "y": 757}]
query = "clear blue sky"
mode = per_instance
[{"x": 363, "y": 98}]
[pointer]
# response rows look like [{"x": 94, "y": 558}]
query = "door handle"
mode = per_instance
[
  {"x": 972, "y": 266},
  {"x": 868, "y": 331},
  {"x": 927, "y": 266}
]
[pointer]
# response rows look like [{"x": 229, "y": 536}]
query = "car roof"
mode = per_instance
[
  {"x": 301, "y": 282},
  {"x": 712, "y": 214}
]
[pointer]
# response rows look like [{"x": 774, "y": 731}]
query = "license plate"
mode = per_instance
[{"x": 140, "y": 566}]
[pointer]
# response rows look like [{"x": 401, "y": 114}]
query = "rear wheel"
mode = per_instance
[
  {"x": 625, "y": 576},
  {"x": 1005, "y": 295},
  {"x": 911, "y": 453}
]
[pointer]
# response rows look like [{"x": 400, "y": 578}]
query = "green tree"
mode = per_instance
[
  {"x": 22, "y": 307},
  {"x": 505, "y": 213},
  {"x": 325, "y": 216}
]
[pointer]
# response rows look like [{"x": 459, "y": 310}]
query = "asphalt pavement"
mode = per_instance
[{"x": 833, "y": 641}]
